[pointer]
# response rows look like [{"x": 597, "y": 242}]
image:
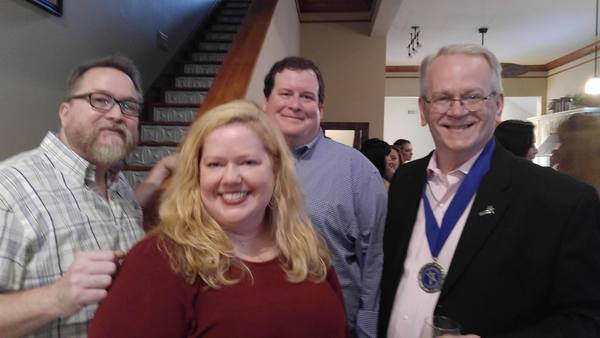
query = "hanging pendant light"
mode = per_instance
[{"x": 592, "y": 86}]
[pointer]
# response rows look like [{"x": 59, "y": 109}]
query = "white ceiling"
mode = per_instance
[{"x": 530, "y": 32}]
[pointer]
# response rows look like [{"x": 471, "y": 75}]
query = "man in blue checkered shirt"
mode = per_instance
[{"x": 344, "y": 192}]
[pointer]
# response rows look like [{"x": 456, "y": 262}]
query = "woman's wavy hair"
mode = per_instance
[{"x": 197, "y": 245}]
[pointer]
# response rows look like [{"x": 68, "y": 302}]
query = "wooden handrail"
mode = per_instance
[{"x": 234, "y": 74}]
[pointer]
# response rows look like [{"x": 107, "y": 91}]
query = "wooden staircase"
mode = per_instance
[{"x": 176, "y": 96}]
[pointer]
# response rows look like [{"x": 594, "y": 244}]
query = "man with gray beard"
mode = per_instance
[{"x": 67, "y": 213}]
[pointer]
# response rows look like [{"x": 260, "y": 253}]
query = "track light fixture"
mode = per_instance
[{"x": 414, "y": 43}]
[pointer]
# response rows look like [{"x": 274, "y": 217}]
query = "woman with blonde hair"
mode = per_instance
[
  {"x": 579, "y": 151},
  {"x": 234, "y": 254}
]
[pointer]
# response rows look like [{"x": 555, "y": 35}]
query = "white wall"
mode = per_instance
[
  {"x": 38, "y": 50},
  {"x": 402, "y": 120},
  {"x": 521, "y": 108},
  {"x": 570, "y": 79},
  {"x": 283, "y": 39}
]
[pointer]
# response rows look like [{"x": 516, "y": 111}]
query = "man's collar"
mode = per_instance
[
  {"x": 433, "y": 169},
  {"x": 75, "y": 166},
  {"x": 300, "y": 151}
]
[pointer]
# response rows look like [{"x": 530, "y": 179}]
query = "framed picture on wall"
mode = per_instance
[{"x": 52, "y": 6}]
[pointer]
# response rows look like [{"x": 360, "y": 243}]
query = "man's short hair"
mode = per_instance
[
  {"x": 116, "y": 61},
  {"x": 296, "y": 63},
  {"x": 401, "y": 142},
  {"x": 465, "y": 49},
  {"x": 516, "y": 136}
]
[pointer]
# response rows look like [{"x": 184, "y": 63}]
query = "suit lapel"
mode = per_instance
[
  {"x": 493, "y": 192},
  {"x": 404, "y": 195}
]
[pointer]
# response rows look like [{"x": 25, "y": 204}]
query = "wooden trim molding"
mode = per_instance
[
  {"x": 563, "y": 60},
  {"x": 538, "y": 68},
  {"x": 234, "y": 74},
  {"x": 579, "y": 53},
  {"x": 401, "y": 69},
  {"x": 415, "y": 69}
]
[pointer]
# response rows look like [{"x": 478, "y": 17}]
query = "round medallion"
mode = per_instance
[{"x": 431, "y": 277}]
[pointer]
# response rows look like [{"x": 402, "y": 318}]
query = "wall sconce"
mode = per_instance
[
  {"x": 414, "y": 42},
  {"x": 592, "y": 86}
]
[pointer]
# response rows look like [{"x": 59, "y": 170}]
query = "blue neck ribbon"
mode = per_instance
[{"x": 436, "y": 235}]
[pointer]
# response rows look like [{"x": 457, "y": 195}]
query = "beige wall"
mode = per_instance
[
  {"x": 402, "y": 84},
  {"x": 283, "y": 39},
  {"x": 39, "y": 49},
  {"x": 353, "y": 65},
  {"x": 526, "y": 86},
  {"x": 569, "y": 79}
]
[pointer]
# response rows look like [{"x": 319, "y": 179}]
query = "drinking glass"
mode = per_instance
[{"x": 437, "y": 326}]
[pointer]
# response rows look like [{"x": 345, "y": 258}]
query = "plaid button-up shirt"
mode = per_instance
[{"x": 49, "y": 211}]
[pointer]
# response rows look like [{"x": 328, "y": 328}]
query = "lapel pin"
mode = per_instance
[{"x": 489, "y": 210}]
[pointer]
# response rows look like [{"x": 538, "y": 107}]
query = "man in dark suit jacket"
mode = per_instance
[{"x": 518, "y": 254}]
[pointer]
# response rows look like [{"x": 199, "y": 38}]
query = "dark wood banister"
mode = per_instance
[{"x": 235, "y": 72}]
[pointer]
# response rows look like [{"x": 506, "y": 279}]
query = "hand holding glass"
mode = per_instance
[{"x": 437, "y": 326}]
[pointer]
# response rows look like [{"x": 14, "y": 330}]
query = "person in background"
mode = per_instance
[
  {"x": 579, "y": 152},
  {"x": 405, "y": 148},
  {"x": 393, "y": 161},
  {"x": 502, "y": 246},
  {"x": 383, "y": 156},
  {"x": 344, "y": 193},
  {"x": 376, "y": 151},
  {"x": 67, "y": 213},
  {"x": 234, "y": 254},
  {"x": 517, "y": 137}
]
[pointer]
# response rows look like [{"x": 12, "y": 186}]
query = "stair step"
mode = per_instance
[
  {"x": 200, "y": 69},
  {"x": 160, "y": 144},
  {"x": 147, "y": 156},
  {"x": 172, "y": 117},
  {"x": 208, "y": 57},
  {"x": 174, "y": 114},
  {"x": 229, "y": 19},
  {"x": 162, "y": 133},
  {"x": 198, "y": 82},
  {"x": 233, "y": 11},
  {"x": 184, "y": 96},
  {"x": 221, "y": 27},
  {"x": 226, "y": 37},
  {"x": 168, "y": 123},
  {"x": 214, "y": 46}
]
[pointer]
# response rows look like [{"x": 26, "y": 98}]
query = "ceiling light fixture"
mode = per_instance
[
  {"x": 414, "y": 42},
  {"x": 592, "y": 86},
  {"x": 482, "y": 30}
]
